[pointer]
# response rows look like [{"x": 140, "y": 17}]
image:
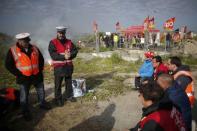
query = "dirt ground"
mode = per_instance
[{"x": 114, "y": 114}]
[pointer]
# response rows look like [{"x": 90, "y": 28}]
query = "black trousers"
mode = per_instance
[{"x": 68, "y": 87}]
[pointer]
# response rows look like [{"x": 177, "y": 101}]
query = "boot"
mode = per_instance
[
  {"x": 45, "y": 106},
  {"x": 27, "y": 116}
]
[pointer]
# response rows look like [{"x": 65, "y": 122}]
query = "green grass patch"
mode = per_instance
[
  {"x": 99, "y": 65},
  {"x": 86, "y": 49},
  {"x": 189, "y": 60},
  {"x": 100, "y": 75},
  {"x": 103, "y": 49}
]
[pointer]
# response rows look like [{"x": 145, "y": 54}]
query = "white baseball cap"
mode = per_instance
[
  {"x": 61, "y": 28},
  {"x": 22, "y": 35}
]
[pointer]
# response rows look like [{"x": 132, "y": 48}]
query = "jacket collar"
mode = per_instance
[
  {"x": 23, "y": 50},
  {"x": 162, "y": 104},
  {"x": 182, "y": 68}
]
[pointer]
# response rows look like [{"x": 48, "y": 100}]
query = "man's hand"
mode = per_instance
[{"x": 67, "y": 55}]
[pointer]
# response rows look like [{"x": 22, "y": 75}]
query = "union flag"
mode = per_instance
[
  {"x": 151, "y": 24},
  {"x": 146, "y": 23},
  {"x": 169, "y": 24}
]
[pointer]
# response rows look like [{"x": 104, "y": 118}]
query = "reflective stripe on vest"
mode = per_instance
[
  {"x": 190, "y": 87},
  {"x": 26, "y": 65}
]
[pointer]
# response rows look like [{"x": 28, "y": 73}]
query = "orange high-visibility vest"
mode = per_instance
[
  {"x": 190, "y": 87},
  {"x": 27, "y": 65}
]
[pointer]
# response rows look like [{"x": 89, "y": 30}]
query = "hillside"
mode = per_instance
[{"x": 6, "y": 79}]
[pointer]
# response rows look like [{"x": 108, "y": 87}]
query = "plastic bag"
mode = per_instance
[{"x": 79, "y": 87}]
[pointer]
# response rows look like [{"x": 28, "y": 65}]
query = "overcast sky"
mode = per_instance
[{"x": 41, "y": 17}]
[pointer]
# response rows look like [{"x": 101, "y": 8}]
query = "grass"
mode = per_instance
[
  {"x": 6, "y": 79},
  {"x": 86, "y": 50},
  {"x": 100, "y": 75},
  {"x": 103, "y": 49},
  {"x": 189, "y": 60}
]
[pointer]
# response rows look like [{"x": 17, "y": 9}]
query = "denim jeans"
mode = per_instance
[
  {"x": 167, "y": 44},
  {"x": 24, "y": 94}
]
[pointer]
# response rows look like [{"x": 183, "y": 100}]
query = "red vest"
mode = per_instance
[
  {"x": 169, "y": 120},
  {"x": 61, "y": 48}
]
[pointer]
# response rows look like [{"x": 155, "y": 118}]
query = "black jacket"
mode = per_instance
[
  {"x": 20, "y": 78},
  {"x": 183, "y": 80},
  {"x": 66, "y": 70}
]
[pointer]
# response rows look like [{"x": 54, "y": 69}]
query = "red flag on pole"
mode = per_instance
[
  {"x": 146, "y": 23},
  {"x": 117, "y": 26},
  {"x": 95, "y": 26},
  {"x": 151, "y": 24},
  {"x": 169, "y": 24}
]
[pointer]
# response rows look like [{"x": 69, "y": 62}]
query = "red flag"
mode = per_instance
[
  {"x": 118, "y": 25},
  {"x": 95, "y": 26},
  {"x": 169, "y": 24},
  {"x": 146, "y": 23},
  {"x": 151, "y": 24}
]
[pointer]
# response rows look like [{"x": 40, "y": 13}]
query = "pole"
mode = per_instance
[
  {"x": 97, "y": 42},
  {"x": 146, "y": 39},
  {"x": 165, "y": 44}
]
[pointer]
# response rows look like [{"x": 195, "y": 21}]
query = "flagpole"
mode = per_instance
[
  {"x": 165, "y": 44},
  {"x": 95, "y": 28},
  {"x": 97, "y": 42}
]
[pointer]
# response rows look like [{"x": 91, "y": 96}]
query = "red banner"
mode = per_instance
[
  {"x": 95, "y": 26},
  {"x": 146, "y": 23},
  {"x": 151, "y": 24},
  {"x": 117, "y": 26},
  {"x": 169, "y": 24}
]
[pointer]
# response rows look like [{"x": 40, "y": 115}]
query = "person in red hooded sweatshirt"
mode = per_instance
[
  {"x": 158, "y": 114},
  {"x": 159, "y": 67}
]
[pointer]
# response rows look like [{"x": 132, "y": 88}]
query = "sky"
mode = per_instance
[{"x": 41, "y": 17}]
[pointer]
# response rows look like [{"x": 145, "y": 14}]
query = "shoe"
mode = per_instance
[
  {"x": 59, "y": 103},
  {"x": 27, "y": 116},
  {"x": 45, "y": 106},
  {"x": 72, "y": 99}
]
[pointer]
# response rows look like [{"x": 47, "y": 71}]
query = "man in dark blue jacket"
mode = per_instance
[{"x": 177, "y": 95}]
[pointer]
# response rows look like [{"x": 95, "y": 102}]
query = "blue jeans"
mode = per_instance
[
  {"x": 24, "y": 94},
  {"x": 167, "y": 44}
]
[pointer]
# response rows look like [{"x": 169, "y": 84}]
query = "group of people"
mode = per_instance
[
  {"x": 113, "y": 41},
  {"x": 25, "y": 61},
  {"x": 166, "y": 92}
]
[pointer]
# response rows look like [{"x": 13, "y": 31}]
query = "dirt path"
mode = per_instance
[
  {"x": 117, "y": 113},
  {"x": 127, "y": 111}
]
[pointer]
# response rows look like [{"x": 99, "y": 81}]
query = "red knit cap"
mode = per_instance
[{"x": 149, "y": 54}]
